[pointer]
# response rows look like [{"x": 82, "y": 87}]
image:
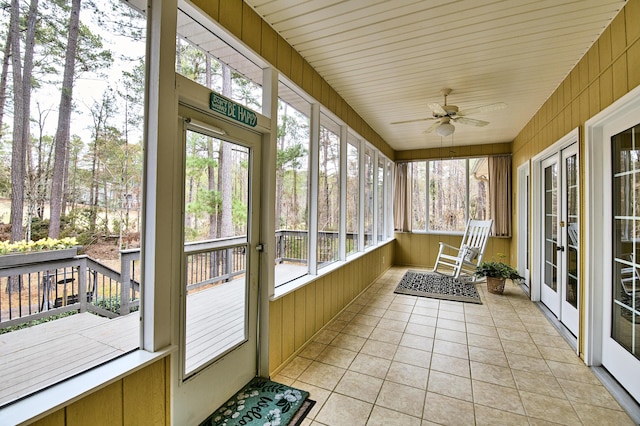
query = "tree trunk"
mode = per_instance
[
  {"x": 3, "y": 77},
  {"x": 64, "y": 121},
  {"x": 225, "y": 228}
]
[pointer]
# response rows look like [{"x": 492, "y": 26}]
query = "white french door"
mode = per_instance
[
  {"x": 559, "y": 289},
  {"x": 219, "y": 293},
  {"x": 621, "y": 292}
]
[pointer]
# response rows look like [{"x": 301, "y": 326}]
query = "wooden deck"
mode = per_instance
[{"x": 36, "y": 357}]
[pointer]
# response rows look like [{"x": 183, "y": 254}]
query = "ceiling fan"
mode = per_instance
[{"x": 445, "y": 114}]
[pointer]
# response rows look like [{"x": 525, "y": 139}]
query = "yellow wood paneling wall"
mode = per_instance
[
  {"x": 244, "y": 23},
  {"x": 420, "y": 250},
  {"x": 296, "y": 317},
  {"x": 609, "y": 70},
  {"x": 142, "y": 398}
]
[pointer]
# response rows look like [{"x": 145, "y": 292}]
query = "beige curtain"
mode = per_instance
[
  {"x": 402, "y": 197},
  {"x": 500, "y": 194}
]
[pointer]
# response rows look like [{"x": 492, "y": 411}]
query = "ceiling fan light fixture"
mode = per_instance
[{"x": 445, "y": 129}]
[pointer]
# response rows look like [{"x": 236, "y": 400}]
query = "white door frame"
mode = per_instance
[
  {"x": 524, "y": 223},
  {"x": 536, "y": 208},
  {"x": 597, "y": 239}
]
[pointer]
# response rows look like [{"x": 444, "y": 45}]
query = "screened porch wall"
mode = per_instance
[{"x": 608, "y": 71}]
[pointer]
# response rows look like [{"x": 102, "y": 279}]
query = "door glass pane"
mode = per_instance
[
  {"x": 625, "y": 321},
  {"x": 572, "y": 244},
  {"x": 368, "y": 197},
  {"x": 550, "y": 222},
  {"x": 215, "y": 234},
  {"x": 380, "y": 184}
]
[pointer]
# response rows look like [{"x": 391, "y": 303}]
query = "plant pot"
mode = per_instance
[
  {"x": 495, "y": 285},
  {"x": 19, "y": 259}
]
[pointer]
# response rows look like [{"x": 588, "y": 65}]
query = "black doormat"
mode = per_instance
[
  {"x": 438, "y": 286},
  {"x": 262, "y": 402}
]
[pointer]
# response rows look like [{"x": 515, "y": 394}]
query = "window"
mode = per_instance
[
  {"x": 86, "y": 308},
  {"x": 446, "y": 193},
  {"x": 380, "y": 182},
  {"x": 368, "y": 197},
  {"x": 292, "y": 186},
  {"x": 328, "y": 192},
  {"x": 203, "y": 57},
  {"x": 353, "y": 194}
]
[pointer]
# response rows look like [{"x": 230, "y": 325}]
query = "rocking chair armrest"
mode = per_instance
[{"x": 448, "y": 246}]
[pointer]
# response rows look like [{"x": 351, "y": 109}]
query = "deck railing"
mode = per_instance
[{"x": 292, "y": 246}]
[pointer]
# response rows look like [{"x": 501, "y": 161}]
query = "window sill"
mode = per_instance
[
  {"x": 55, "y": 397},
  {"x": 292, "y": 286}
]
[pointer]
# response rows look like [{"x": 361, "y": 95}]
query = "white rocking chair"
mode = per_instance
[{"x": 470, "y": 252}]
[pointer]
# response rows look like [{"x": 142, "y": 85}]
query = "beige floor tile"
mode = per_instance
[
  {"x": 426, "y": 311},
  {"x": 373, "y": 311},
  {"x": 480, "y": 319},
  {"x": 451, "y": 335},
  {"x": 359, "y": 386},
  {"x": 337, "y": 325},
  {"x": 417, "y": 342},
  {"x": 365, "y": 319},
  {"x": 341, "y": 410},
  {"x": 445, "y": 410},
  {"x": 485, "y": 342},
  {"x": 384, "y": 335},
  {"x": 371, "y": 365},
  {"x": 423, "y": 302},
  {"x": 549, "y": 340},
  {"x": 381, "y": 416},
  {"x": 379, "y": 349},
  {"x": 548, "y": 408},
  {"x": 457, "y": 350},
  {"x": 446, "y": 305},
  {"x": 514, "y": 335},
  {"x": 586, "y": 393},
  {"x": 413, "y": 356},
  {"x": 402, "y": 398},
  {"x": 422, "y": 320},
  {"x": 451, "y": 365},
  {"x": 393, "y": 325},
  {"x": 317, "y": 394},
  {"x": 592, "y": 415},
  {"x": 454, "y": 316},
  {"x": 360, "y": 330},
  {"x": 569, "y": 371},
  {"x": 322, "y": 375},
  {"x": 312, "y": 350},
  {"x": 487, "y": 416},
  {"x": 481, "y": 329},
  {"x": 346, "y": 316},
  {"x": 515, "y": 347},
  {"x": 295, "y": 367},
  {"x": 539, "y": 328},
  {"x": 538, "y": 383},
  {"x": 382, "y": 304},
  {"x": 421, "y": 330},
  {"x": 325, "y": 336},
  {"x": 408, "y": 374},
  {"x": 400, "y": 307},
  {"x": 450, "y": 385},
  {"x": 492, "y": 374},
  {"x": 488, "y": 356},
  {"x": 398, "y": 316},
  {"x": 348, "y": 341},
  {"x": 339, "y": 357},
  {"x": 567, "y": 355},
  {"x": 450, "y": 324},
  {"x": 405, "y": 299},
  {"x": 498, "y": 397},
  {"x": 528, "y": 363},
  {"x": 283, "y": 379}
]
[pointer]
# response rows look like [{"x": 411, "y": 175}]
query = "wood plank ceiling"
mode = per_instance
[{"x": 389, "y": 58}]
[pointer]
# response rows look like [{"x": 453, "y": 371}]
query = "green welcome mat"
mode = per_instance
[{"x": 262, "y": 402}]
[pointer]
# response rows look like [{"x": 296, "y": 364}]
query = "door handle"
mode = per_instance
[{"x": 560, "y": 248}]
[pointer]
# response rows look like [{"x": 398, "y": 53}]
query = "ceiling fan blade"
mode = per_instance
[
  {"x": 437, "y": 109},
  {"x": 433, "y": 126},
  {"x": 414, "y": 121},
  {"x": 470, "y": 121},
  {"x": 486, "y": 108}
]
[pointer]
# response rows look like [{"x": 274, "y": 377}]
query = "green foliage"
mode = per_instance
[
  {"x": 497, "y": 269},
  {"x": 112, "y": 304}
]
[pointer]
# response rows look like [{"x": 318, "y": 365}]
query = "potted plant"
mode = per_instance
[{"x": 497, "y": 272}]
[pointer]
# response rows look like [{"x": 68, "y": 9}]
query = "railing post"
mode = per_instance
[
  {"x": 125, "y": 287},
  {"x": 228, "y": 264},
  {"x": 82, "y": 283}
]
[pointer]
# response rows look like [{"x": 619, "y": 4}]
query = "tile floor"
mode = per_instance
[{"x": 393, "y": 359}]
